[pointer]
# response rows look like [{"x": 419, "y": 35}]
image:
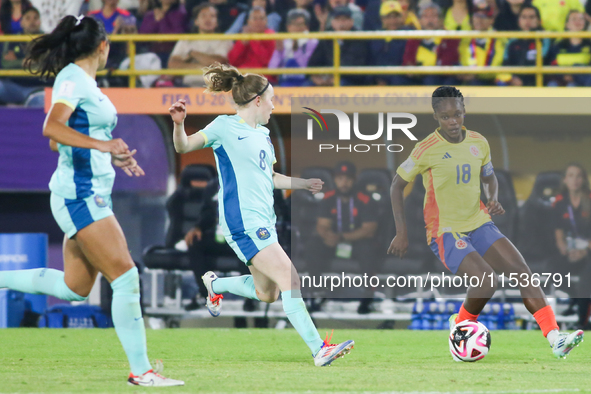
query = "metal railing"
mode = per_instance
[{"x": 337, "y": 70}]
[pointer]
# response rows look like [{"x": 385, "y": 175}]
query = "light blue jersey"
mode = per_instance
[
  {"x": 245, "y": 158},
  {"x": 82, "y": 183},
  {"x": 83, "y": 172}
]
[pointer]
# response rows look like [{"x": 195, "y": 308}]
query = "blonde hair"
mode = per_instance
[{"x": 223, "y": 78}]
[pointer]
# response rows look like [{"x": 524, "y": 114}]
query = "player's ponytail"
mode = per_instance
[
  {"x": 223, "y": 78},
  {"x": 72, "y": 39},
  {"x": 444, "y": 92}
]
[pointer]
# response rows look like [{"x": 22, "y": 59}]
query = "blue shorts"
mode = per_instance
[
  {"x": 247, "y": 244},
  {"x": 73, "y": 215},
  {"x": 451, "y": 248}
]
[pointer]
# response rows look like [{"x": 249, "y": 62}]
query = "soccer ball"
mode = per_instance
[{"x": 469, "y": 341}]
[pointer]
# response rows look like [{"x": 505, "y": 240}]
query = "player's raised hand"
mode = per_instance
[
  {"x": 494, "y": 207},
  {"x": 115, "y": 147},
  {"x": 398, "y": 246},
  {"x": 314, "y": 185},
  {"x": 178, "y": 111}
]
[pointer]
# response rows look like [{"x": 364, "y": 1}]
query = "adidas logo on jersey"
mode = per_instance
[{"x": 446, "y": 156}]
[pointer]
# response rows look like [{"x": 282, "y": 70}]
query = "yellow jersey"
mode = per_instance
[
  {"x": 451, "y": 175},
  {"x": 555, "y": 12}
]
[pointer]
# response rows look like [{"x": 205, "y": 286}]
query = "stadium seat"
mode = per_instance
[
  {"x": 183, "y": 208},
  {"x": 36, "y": 99},
  {"x": 536, "y": 238}
]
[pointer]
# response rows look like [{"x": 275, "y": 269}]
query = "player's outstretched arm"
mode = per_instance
[
  {"x": 399, "y": 244},
  {"x": 491, "y": 191},
  {"x": 281, "y": 181},
  {"x": 55, "y": 129},
  {"x": 182, "y": 143}
]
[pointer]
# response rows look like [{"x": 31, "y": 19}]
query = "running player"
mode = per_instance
[
  {"x": 79, "y": 126},
  {"x": 453, "y": 161},
  {"x": 245, "y": 156}
]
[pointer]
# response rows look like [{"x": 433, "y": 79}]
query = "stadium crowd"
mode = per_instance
[{"x": 269, "y": 16}]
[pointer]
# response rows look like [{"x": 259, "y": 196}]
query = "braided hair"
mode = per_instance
[{"x": 445, "y": 92}]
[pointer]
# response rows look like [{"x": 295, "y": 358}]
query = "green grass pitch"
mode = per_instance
[{"x": 251, "y": 360}]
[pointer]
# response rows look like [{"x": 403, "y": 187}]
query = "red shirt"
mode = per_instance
[{"x": 255, "y": 54}]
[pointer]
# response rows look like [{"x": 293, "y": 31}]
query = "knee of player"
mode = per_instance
[{"x": 269, "y": 297}]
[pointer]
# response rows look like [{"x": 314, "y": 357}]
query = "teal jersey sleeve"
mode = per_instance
[
  {"x": 69, "y": 89},
  {"x": 214, "y": 132}
]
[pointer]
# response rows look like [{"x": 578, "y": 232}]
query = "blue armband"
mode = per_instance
[{"x": 488, "y": 169}]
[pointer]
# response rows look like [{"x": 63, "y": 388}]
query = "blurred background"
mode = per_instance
[{"x": 512, "y": 50}]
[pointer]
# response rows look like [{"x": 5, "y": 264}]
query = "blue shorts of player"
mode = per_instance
[
  {"x": 247, "y": 244},
  {"x": 451, "y": 248},
  {"x": 73, "y": 215}
]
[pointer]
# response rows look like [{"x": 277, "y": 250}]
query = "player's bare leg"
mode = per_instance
[
  {"x": 473, "y": 265},
  {"x": 505, "y": 258},
  {"x": 274, "y": 271}
]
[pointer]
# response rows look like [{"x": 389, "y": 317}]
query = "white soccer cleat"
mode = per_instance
[
  {"x": 566, "y": 342},
  {"x": 214, "y": 301},
  {"x": 152, "y": 379},
  {"x": 330, "y": 352},
  {"x": 452, "y": 322}
]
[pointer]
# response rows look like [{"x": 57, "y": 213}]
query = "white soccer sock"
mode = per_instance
[{"x": 551, "y": 337}]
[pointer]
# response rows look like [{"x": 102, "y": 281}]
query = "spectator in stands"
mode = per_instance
[
  {"x": 372, "y": 16},
  {"x": 294, "y": 53},
  {"x": 169, "y": 17},
  {"x": 522, "y": 52},
  {"x": 273, "y": 18},
  {"x": 324, "y": 13},
  {"x": 16, "y": 90},
  {"x": 306, "y": 5},
  {"x": 388, "y": 52},
  {"x": 253, "y": 53},
  {"x": 508, "y": 16},
  {"x": 346, "y": 224},
  {"x": 410, "y": 18},
  {"x": 144, "y": 59},
  {"x": 457, "y": 17},
  {"x": 481, "y": 51},
  {"x": 199, "y": 54},
  {"x": 571, "y": 52},
  {"x": 228, "y": 10},
  {"x": 572, "y": 223},
  {"x": 553, "y": 13},
  {"x": 11, "y": 12},
  {"x": 433, "y": 51},
  {"x": 109, "y": 15},
  {"x": 353, "y": 52},
  {"x": 136, "y": 7},
  {"x": 52, "y": 12}
]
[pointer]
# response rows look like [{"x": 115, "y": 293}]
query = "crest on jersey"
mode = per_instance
[
  {"x": 99, "y": 201},
  {"x": 461, "y": 244},
  {"x": 263, "y": 233},
  {"x": 474, "y": 150},
  {"x": 269, "y": 141}
]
